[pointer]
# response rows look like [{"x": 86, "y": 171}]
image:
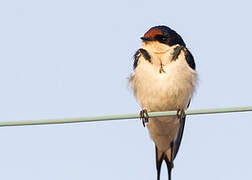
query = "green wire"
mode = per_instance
[{"x": 122, "y": 116}]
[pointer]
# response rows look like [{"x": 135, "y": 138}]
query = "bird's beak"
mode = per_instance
[{"x": 146, "y": 38}]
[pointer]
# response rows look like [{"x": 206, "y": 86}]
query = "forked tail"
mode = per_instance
[{"x": 167, "y": 156}]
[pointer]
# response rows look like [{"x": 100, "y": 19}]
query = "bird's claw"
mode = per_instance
[
  {"x": 181, "y": 113},
  {"x": 144, "y": 116}
]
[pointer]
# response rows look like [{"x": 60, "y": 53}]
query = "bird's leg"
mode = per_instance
[
  {"x": 144, "y": 116},
  {"x": 181, "y": 114}
]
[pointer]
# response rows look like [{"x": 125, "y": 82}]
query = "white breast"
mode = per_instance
[{"x": 169, "y": 90}]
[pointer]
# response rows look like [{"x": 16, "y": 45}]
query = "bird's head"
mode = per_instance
[{"x": 163, "y": 35}]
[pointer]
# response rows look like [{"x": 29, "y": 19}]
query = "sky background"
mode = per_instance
[{"x": 62, "y": 59}]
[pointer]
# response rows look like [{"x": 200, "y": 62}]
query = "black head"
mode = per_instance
[{"x": 164, "y": 35}]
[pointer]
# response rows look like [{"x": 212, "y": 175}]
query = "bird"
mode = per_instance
[{"x": 164, "y": 79}]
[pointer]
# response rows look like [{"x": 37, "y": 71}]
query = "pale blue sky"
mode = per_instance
[{"x": 72, "y": 58}]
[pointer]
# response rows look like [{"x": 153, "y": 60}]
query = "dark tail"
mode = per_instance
[
  {"x": 159, "y": 159},
  {"x": 160, "y": 156},
  {"x": 169, "y": 167}
]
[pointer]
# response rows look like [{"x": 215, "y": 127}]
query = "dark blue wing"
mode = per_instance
[
  {"x": 190, "y": 59},
  {"x": 191, "y": 63},
  {"x": 137, "y": 55}
]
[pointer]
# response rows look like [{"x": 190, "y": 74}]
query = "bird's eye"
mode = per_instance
[{"x": 161, "y": 38}]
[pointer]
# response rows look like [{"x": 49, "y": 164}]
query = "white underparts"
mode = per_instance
[{"x": 161, "y": 91}]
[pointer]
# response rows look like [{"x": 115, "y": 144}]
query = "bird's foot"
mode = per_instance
[
  {"x": 181, "y": 113},
  {"x": 144, "y": 116}
]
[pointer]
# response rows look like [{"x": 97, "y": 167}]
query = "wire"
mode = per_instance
[{"x": 122, "y": 116}]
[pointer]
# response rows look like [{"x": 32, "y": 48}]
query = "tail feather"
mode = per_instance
[
  {"x": 167, "y": 156},
  {"x": 169, "y": 166},
  {"x": 159, "y": 159}
]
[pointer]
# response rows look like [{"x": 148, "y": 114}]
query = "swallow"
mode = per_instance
[{"x": 164, "y": 79}]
